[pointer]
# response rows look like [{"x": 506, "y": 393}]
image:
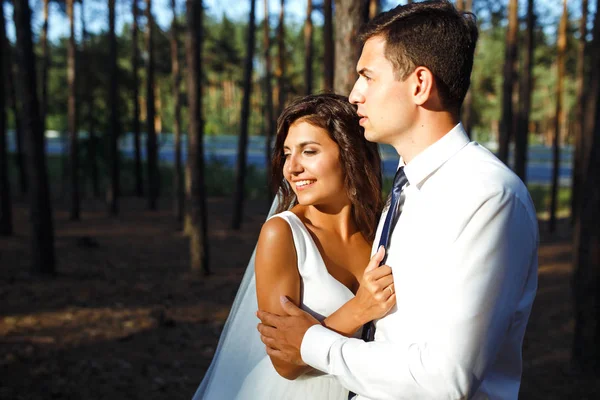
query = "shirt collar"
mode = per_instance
[{"x": 434, "y": 156}]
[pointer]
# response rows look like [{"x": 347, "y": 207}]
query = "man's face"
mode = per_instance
[{"x": 384, "y": 103}]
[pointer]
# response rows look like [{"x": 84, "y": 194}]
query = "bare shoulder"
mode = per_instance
[{"x": 275, "y": 244}]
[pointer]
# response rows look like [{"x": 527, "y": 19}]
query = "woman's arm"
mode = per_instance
[{"x": 277, "y": 274}]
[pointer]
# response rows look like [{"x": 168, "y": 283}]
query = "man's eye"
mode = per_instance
[{"x": 310, "y": 152}]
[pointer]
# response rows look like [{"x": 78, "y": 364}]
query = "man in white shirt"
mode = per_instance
[{"x": 464, "y": 249}]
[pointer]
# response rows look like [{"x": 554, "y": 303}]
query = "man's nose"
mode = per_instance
[{"x": 356, "y": 95}]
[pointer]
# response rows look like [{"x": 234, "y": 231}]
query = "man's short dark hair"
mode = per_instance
[{"x": 431, "y": 34}]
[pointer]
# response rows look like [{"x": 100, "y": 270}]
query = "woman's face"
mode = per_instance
[{"x": 312, "y": 165}]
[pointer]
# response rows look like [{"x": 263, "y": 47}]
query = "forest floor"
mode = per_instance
[{"x": 126, "y": 319}]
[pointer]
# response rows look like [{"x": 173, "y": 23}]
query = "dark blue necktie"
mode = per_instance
[
  {"x": 368, "y": 331},
  {"x": 400, "y": 180}
]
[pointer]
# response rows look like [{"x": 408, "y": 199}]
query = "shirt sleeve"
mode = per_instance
[{"x": 484, "y": 282}]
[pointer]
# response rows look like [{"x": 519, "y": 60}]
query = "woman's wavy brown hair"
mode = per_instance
[{"x": 359, "y": 159}]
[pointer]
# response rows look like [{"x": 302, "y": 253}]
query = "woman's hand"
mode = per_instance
[{"x": 376, "y": 295}]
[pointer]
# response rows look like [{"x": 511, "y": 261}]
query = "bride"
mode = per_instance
[{"x": 313, "y": 250}]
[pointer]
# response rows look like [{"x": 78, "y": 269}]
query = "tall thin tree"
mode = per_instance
[
  {"x": 40, "y": 211},
  {"x": 13, "y": 99},
  {"x": 151, "y": 144},
  {"x": 508, "y": 85},
  {"x": 45, "y": 63},
  {"x": 308, "y": 48},
  {"x": 72, "y": 115},
  {"x": 586, "y": 244},
  {"x": 349, "y": 16},
  {"x": 374, "y": 6},
  {"x": 281, "y": 57},
  {"x": 577, "y": 170},
  {"x": 467, "y": 106},
  {"x": 176, "y": 75},
  {"x": 328, "y": 53},
  {"x": 270, "y": 120},
  {"x": 240, "y": 171},
  {"x": 135, "y": 65},
  {"x": 88, "y": 89},
  {"x": 525, "y": 88},
  {"x": 199, "y": 252},
  {"x": 6, "y": 225},
  {"x": 559, "y": 113},
  {"x": 112, "y": 195}
]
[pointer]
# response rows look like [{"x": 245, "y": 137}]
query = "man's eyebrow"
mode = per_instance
[{"x": 364, "y": 70}]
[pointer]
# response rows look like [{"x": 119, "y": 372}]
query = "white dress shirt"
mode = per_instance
[{"x": 464, "y": 259}]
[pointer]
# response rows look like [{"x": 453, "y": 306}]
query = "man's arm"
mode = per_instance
[{"x": 485, "y": 272}]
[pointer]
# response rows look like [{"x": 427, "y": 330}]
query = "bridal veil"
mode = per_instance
[{"x": 240, "y": 347}]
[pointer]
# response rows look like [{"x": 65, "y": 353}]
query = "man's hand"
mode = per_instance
[{"x": 283, "y": 334}]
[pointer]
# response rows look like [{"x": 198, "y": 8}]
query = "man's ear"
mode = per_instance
[{"x": 424, "y": 85}]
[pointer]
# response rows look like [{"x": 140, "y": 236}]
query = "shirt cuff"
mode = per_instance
[{"x": 315, "y": 346}]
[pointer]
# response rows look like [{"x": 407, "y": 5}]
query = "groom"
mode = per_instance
[{"x": 464, "y": 248}]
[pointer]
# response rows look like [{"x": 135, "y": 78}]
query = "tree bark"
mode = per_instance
[
  {"x": 199, "y": 255},
  {"x": 328, "y": 53},
  {"x": 308, "y": 48},
  {"x": 135, "y": 64},
  {"x": 525, "y": 87},
  {"x": 238, "y": 197},
  {"x": 508, "y": 87},
  {"x": 72, "y": 116},
  {"x": 349, "y": 16},
  {"x": 280, "y": 71},
  {"x": 270, "y": 120},
  {"x": 45, "y": 65},
  {"x": 6, "y": 225},
  {"x": 558, "y": 115},
  {"x": 467, "y": 106},
  {"x": 176, "y": 74},
  {"x": 586, "y": 239},
  {"x": 16, "y": 109},
  {"x": 113, "y": 192},
  {"x": 577, "y": 170},
  {"x": 42, "y": 233},
  {"x": 151, "y": 145}
]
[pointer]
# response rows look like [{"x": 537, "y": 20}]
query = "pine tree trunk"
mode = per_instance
[
  {"x": 308, "y": 48},
  {"x": 178, "y": 171},
  {"x": 280, "y": 72},
  {"x": 578, "y": 151},
  {"x": 558, "y": 115},
  {"x": 135, "y": 61},
  {"x": 508, "y": 86},
  {"x": 526, "y": 85},
  {"x": 114, "y": 128},
  {"x": 328, "y": 53},
  {"x": 16, "y": 109},
  {"x": 42, "y": 233},
  {"x": 6, "y": 225},
  {"x": 373, "y": 8},
  {"x": 45, "y": 65},
  {"x": 586, "y": 240},
  {"x": 72, "y": 116},
  {"x": 270, "y": 120},
  {"x": 151, "y": 145},
  {"x": 240, "y": 172},
  {"x": 349, "y": 16},
  {"x": 199, "y": 255}
]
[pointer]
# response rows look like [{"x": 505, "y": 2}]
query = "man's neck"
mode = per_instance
[{"x": 424, "y": 133}]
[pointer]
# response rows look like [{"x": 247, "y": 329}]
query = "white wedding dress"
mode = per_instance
[{"x": 241, "y": 369}]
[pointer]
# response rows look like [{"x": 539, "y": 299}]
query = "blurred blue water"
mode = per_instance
[{"x": 224, "y": 149}]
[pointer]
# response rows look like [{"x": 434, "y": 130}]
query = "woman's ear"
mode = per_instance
[{"x": 424, "y": 85}]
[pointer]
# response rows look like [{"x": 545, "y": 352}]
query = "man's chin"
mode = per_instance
[{"x": 370, "y": 135}]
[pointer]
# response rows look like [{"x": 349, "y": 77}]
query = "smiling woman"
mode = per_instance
[{"x": 314, "y": 251}]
